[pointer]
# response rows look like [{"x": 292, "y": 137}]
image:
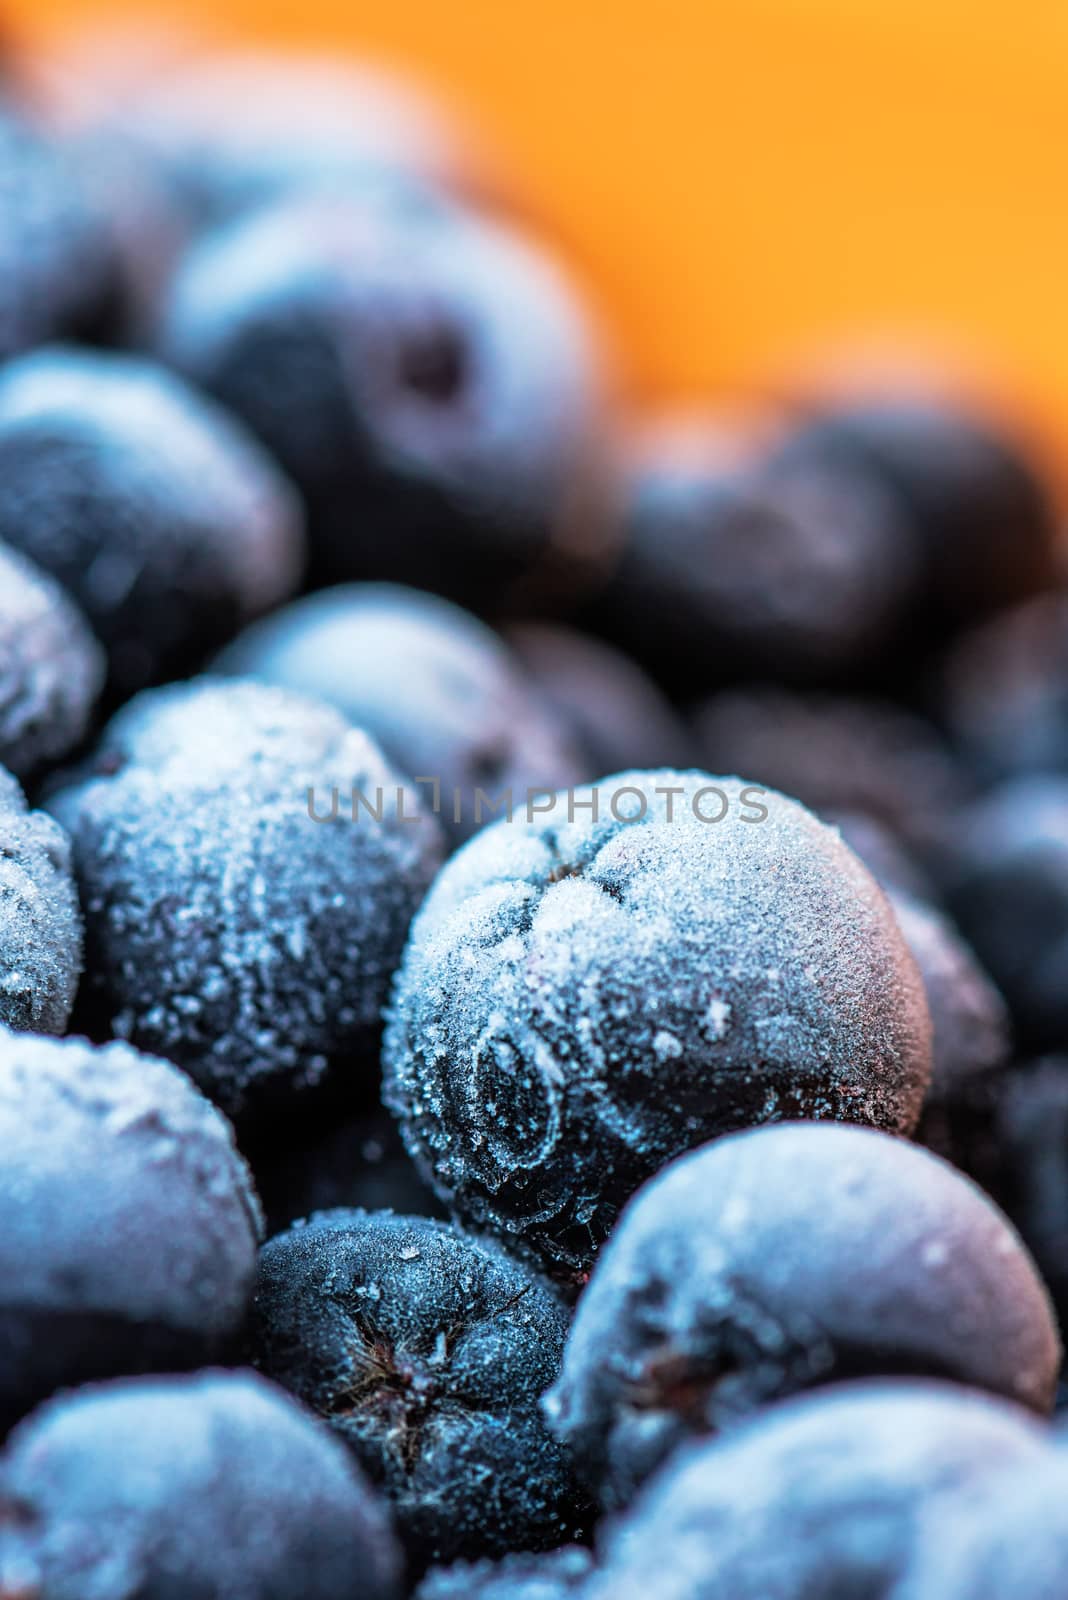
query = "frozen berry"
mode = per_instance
[
  {"x": 520, "y": 1577},
  {"x": 430, "y": 383},
  {"x": 1007, "y": 887},
  {"x": 818, "y": 1497},
  {"x": 231, "y": 925},
  {"x": 616, "y": 713},
  {"x": 1008, "y": 1541},
  {"x": 780, "y": 1259},
  {"x": 40, "y": 923},
  {"x": 358, "y": 1161},
  {"x": 1005, "y": 691},
  {"x": 436, "y": 688},
  {"x": 50, "y": 669},
  {"x": 156, "y": 512},
  {"x": 583, "y": 998},
  {"x": 427, "y": 1350},
  {"x": 205, "y": 1487},
  {"x": 55, "y": 260},
  {"x": 737, "y": 564},
  {"x": 130, "y": 1224},
  {"x": 981, "y": 519},
  {"x": 835, "y": 753}
]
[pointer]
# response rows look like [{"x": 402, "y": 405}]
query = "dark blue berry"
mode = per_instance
[
  {"x": 741, "y": 564},
  {"x": 429, "y": 383},
  {"x": 427, "y": 1350},
  {"x": 229, "y": 927},
  {"x": 214, "y": 1487},
  {"x": 160, "y": 516},
  {"x": 581, "y": 1001},
  {"x": 780, "y": 1259},
  {"x": 130, "y": 1223},
  {"x": 816, "y": 1498}
]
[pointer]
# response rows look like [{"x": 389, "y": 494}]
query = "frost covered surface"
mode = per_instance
[
  {"x": 51, "y": 668},
  {"x": 819, "y": 1496},
  {"x": 524, "y": 1577},
  {"x": 227, "y": 930},
  {"x": 159, "y": 514},
  {"x": 782, "y": 1258},
  {"x": 430, "y": 382},
  {"x": 428, "y": 1351},
  {"x": 214, "y": 1485},
  {"x": 1010, "y": 1543},
  {"x": 40, "y": 924},
  {"x": 437, "y": 689},
  {"x": 581, "y": 1001},
  {"x": 130, "y": 1222}
]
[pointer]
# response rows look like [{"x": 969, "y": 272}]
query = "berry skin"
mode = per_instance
[
  {"x": 616, "y": 713},
  {"x": 226, "y": 929},
  {"x": 582, "y": 1001},
  {"x": 429, "y": 383},
  {"x": 982, "y": 522},
  {"x": 51, "y": 669},
  {"x": 130, "y": 1222},
  {"x": 821, "y": 1496},
  {"x": 427, "y": 1350},
  {"x": 740, "y": 563},
  {"x": 523, "y": 1577},
  {"x": 436, "y": 688},
  {"x": 1006, "y": 885},
  {"x": 1007, "y": 1542},
  {"x": 159, "y": 515},
  {"x": 56, "y": 263},
  {"x": 212, "y": 1487},
  {"x": 780, "y": 1259},
  {"x": 40, "y": 923}
]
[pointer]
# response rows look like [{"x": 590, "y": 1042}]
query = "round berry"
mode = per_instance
[
  {"x": 130, "y": 1222},
  {"x": 553, "y": 1576},
  {"x": 427, "y": 1350},
  {"x": 822, "y": 1495},
  {"x": 157, "y": 513},
  {"x": 205, "y": 1486},
  {"x": 782, "y": 1258},
  {"x": 429, "y": 382},
  {"x": 581, "y": 1000},
  {"x": 248, "y": 865}
]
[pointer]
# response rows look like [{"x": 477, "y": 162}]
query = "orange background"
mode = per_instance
[{"x": 744, "y": 179}]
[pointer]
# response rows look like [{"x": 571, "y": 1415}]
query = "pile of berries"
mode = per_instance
[{"x": 533, "y": 943}]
